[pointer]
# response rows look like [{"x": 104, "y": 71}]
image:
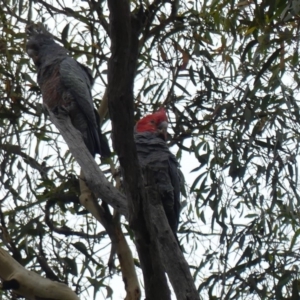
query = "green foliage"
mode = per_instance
[{"x": 228, "y": 73}]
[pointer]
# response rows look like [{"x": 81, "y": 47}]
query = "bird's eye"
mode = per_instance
[{"x": 152, "y": 122}]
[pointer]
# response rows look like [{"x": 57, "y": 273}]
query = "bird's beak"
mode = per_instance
[
  {"x": 31, "y": 52},
  {"x": 163, "y": 130}
]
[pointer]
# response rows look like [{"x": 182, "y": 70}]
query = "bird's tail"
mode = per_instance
[{"x": 101, "y": 142}]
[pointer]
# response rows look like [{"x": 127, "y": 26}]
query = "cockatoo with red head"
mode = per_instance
[{"x": 150, "y": 138}]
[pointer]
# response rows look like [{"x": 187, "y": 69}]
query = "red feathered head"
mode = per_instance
[{"x": 156, "y": 123}]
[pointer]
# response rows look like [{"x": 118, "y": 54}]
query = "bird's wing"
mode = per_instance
[
  {"x": 77, "y": 81},
  {"x": 154, "y": 153},
  {"x": 175, "y": 176}
]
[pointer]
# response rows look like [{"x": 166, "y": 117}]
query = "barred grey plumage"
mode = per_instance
[
  {"x": 66, "y": 84},
  {"x": 154, "y": 153}
]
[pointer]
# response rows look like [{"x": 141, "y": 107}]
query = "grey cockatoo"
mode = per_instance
[
  {"x": 65, "y": 84},
  {"x": 153, "y": 152}
]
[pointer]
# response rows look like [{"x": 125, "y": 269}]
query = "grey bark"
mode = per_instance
[
  {"x": 95, "y": 179},
  {"x": 153, "y": 255},
  {"x": 121, "y": 73},
  {"x": 161, "y": 234}
]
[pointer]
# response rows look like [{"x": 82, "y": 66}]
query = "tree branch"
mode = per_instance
[
  {"x": 113, "y": 228},
  {"x": 172, "y": 258},
  {"x": 121, "y": 72},
  {"x": 65, "y": 230},
  {"x": 95, "y": 179},
  {"x": 28, "y": 159},
  {"x": 29, "y": 284},
  {"x": 97, "y": 6}
]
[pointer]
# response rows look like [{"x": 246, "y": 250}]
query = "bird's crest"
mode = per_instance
[
  {"x": 39, "y": 39},
  {"x": 161, "y": 115},
  {"x": 154, "y": 122},
  {"x": 38, "y": 28}
]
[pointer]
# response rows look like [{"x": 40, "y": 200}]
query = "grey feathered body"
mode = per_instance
[
  {"x": 154, "y": 153},
  {"x": 66, "y": 84}
]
